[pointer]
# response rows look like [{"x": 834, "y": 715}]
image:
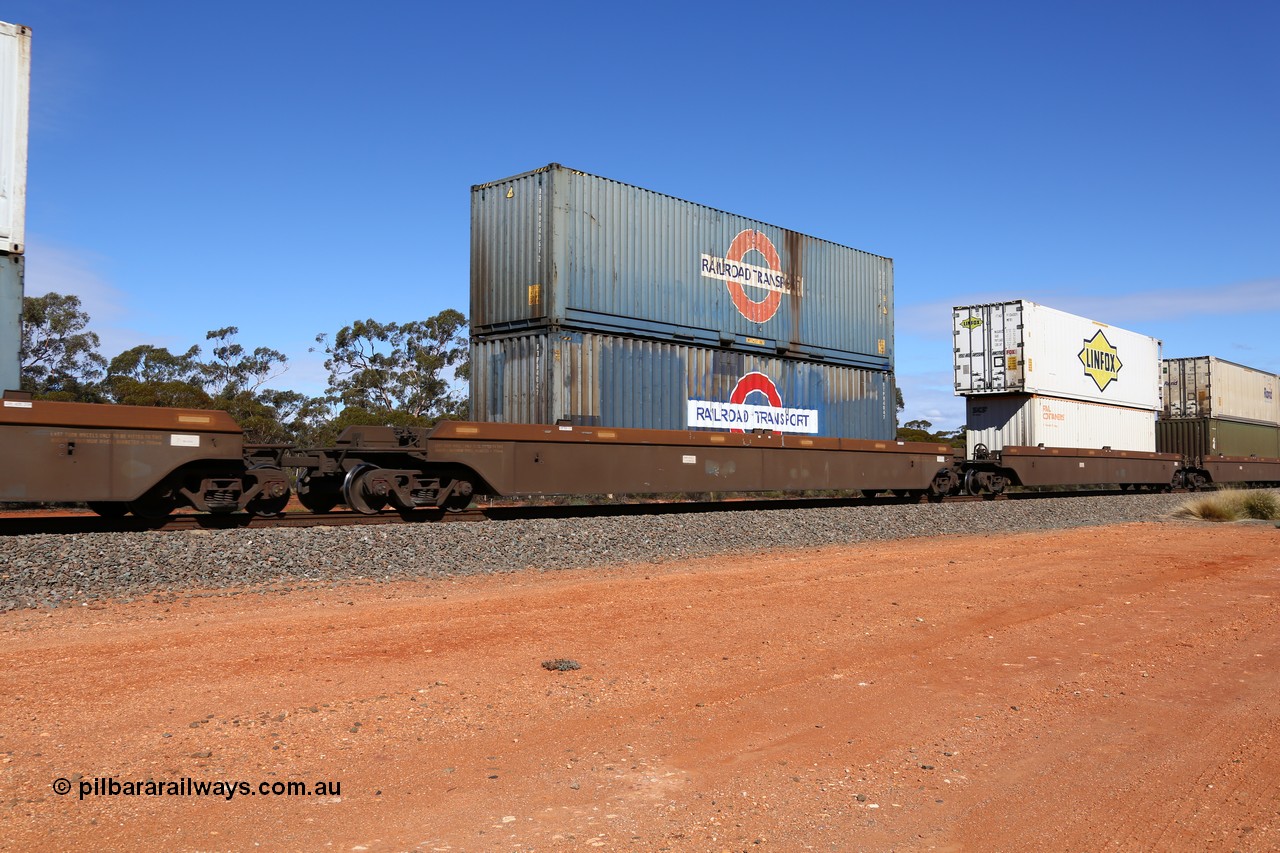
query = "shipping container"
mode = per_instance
[
  {"x": 1200, "y": 438},
  {"x": 1022, "y": 347},
  {"x": 15, "y": 86},
  {"x": 1208, "y": 387},
  {"x": 997, "y": 421},
  {"x": 591, "y": 379},
  {"x": 559, "y": 247},
  {"x": 11, "y": 267}
]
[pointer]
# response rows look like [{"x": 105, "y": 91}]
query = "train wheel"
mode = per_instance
[
  {"x": 972, "y": 482},
  {"x": 154, "y": 505},
  {"x": 318, "y": 494},
  {"x": 275, "y": 502},
  {"x": 364, "y": 489},
  {"x": 109, "y": 509},
  {"x": 460, "y": 498},
  {"x": 942, "y": 484}
]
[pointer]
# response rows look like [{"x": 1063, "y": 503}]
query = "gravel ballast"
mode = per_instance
[{"x": 52, "y": 571}]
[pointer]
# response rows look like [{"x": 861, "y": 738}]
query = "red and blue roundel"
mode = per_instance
[
  {"x": 753, "y": 404},
  {"x": 757, "y": 385},
  {"x": 739, "y": 274}
]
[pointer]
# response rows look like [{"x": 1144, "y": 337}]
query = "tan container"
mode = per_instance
[{"x": 1209, "y": 387}]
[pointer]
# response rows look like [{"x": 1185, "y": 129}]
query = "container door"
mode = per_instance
[{"x": 988, "y": 348}]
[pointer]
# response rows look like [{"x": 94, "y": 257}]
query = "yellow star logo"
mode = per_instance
[{"x": 1101, "y": 361}]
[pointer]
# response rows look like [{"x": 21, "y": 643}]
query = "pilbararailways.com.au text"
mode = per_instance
[{"x": 111, "y": 786}]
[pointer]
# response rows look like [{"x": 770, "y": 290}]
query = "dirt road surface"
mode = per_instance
[{"x": 1110, "y": 688}]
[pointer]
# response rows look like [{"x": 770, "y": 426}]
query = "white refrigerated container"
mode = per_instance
[
  {"x": 15, "y": 86},
  {"x": 1026, "y": 348}
]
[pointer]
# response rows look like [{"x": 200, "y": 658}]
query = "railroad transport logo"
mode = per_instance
[
  {"x": 738, "y": 274},
  {"x": 1101, "y": 361},
  {"x": 754, "y": 403}
]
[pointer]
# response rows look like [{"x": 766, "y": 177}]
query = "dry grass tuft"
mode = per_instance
[{"x": 1232, "y": 506}]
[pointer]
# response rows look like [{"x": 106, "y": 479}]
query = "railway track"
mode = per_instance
[{"x": 26, "y": 522}]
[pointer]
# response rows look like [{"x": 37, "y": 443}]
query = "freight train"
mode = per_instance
[
  {"x": 149, "y": 462},
  {"x": 630, "y": 342}
]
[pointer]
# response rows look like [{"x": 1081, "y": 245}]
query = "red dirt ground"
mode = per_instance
[{"x": 1111, "y": 688}]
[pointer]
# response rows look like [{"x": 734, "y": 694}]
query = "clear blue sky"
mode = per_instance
[{"x": 289, "y": 167}]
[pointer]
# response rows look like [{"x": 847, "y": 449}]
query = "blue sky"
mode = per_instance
[{"x": 290, "y": 167}]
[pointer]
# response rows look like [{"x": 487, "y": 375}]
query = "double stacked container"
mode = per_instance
[
  {"x": 600, "y": 303},
  {"x": 1033, "y": 375},
  {"x": 15, "y": 82},
  {"x": 1212, "y": 407}
]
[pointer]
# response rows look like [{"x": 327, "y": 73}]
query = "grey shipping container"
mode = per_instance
[
  {"x": 11, "y": 267},
  {"x": 559, "y": 247},
  {"x": 1200, "y": 438},
  {"x": 1209, "y": 387},
  {"x": 588, "y": 378}
]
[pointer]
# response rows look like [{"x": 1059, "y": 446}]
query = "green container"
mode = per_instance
[{"x": 1200, "y": 438}]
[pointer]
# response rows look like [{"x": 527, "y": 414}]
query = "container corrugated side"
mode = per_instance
[
  {"x": 559, "y": 247},
  {"x": 997, "y": 421},
  {"x": 1210, "y": 387},
  {"x": 1198, "y": 438},
  {"x": 588, "y": 378},
  {"x": 11, "y": 267},
  {"x": 1023, "y": 347},
  {"x": 15, "y": 88}
]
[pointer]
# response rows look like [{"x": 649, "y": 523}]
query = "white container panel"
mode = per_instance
[
  {"x": 1023, "y": 347},
  {"x": 1208, "y": 387},
  {"x": 999, "y": 421},
  {"x": 15, "y": 88}
]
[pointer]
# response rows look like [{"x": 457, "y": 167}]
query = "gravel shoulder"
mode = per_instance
[
  {"x": 1072, "y": 689},
  {"x": 52, "y": 571}
]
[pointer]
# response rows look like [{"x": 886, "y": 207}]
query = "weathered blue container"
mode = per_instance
[
  {"x": 11, "y": 267},
  {"x": 588, "y": 378},
  {"x": 558, "y": 247}
]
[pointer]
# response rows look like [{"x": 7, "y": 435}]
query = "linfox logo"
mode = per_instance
[
  {"x": 737, "y": 274},
  {"x": 1101, "y": 361},
  {"x": 972, "y": 323}
]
